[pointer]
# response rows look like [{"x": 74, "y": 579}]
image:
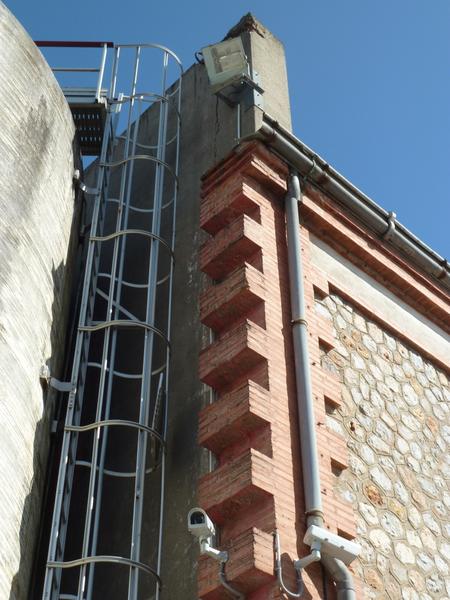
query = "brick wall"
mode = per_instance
[{"x": 252, "y": 425}]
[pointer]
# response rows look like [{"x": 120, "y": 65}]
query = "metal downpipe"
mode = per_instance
[
  {"x": 306, "y": 421},
  {"x": 336, "y": 569}
]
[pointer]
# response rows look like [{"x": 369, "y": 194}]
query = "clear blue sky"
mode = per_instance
[{"x": 369, "y": 81}]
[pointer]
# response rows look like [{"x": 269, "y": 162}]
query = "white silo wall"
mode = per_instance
[{"x": 37, "y": 206}]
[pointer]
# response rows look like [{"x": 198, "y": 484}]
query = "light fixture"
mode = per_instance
[
  {"x": 226, "y": 64},
  {"x": 231, "y": 77}
]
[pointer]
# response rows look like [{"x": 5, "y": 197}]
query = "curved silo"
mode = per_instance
[{"x": 37, "y": 209}]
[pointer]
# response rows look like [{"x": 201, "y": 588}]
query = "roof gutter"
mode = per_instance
[{"x": 318, "y": 171}]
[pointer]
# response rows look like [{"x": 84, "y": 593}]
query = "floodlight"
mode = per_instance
[{"x": 225, "y": 63}]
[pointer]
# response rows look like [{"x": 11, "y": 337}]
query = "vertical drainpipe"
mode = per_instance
[
  {"x": 336, "y": 569},
  {"x": 307, "y": 428}
]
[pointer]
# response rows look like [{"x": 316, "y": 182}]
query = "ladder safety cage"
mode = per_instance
[{"x": 113, "y": 445}]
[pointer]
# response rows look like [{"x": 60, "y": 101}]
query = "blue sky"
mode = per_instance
[{"x": 369, "y": 81}]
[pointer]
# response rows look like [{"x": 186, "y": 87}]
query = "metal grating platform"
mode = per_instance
[{"x": 90, "y": 123}]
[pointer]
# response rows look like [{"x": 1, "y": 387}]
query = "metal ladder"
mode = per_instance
[{"x": 108, "y": 331}]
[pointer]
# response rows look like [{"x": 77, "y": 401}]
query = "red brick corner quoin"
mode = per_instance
[{"x": 252, "y": 425}]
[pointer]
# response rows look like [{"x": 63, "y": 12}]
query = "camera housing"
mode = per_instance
[
  {"x": 199, "y": 524},
  {"x": 201, "y": 527},
  {"x": 332, "y": 544}
]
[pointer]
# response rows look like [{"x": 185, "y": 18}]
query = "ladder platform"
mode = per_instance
[
  {"x": 89, "y": 115},
  {"x": 89, "y": 120}
]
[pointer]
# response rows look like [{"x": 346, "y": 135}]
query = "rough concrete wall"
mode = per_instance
[
  {"x": 36, "y": 216},
  {"x": 185, "y": 460},
  {"x": 208, "y": 134},
  {"x": 266, "y": 55},
  {"x": 395, "y": 417}
]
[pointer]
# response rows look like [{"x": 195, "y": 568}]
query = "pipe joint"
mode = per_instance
[
  {"x": 293, "y": 189},
  {"x": 341, "y": 576},
  {"x": 445, "y": 269},
  {"x": 299, "y": 321},
  {"x": 310, "y": 174},
  {"x": 387, "y": 235},
  {"x": 315, "y": 512},
  {"x": 323, "y": 174}
]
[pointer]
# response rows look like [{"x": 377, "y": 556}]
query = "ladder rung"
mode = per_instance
[
  {"x": 143, "y": 286},
  {"x": 96, "y": 365}
]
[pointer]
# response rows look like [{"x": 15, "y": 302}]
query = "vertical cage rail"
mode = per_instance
[
  {"x": 78, "y": 378},
  {"x": 169, "y": 323},
  {"x": 121, "y": 318},
  {"x": 149, "y": 335}
]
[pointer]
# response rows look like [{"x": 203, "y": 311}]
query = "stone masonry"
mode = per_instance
[{"x": 395, "y": 418}]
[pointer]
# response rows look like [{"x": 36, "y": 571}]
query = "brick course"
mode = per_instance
[{"x": 252, "y": 426}]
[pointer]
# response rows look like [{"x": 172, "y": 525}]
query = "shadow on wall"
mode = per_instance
[
  {"x": 32, "y": 513},
  {"x": 38, "y": 506}
]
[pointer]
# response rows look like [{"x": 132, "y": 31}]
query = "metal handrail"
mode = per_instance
[
  {"x": 100, "y": 70},
  {"x": 72, "y": 44}
]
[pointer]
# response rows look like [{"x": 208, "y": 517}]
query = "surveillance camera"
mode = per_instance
[
  {"x": 332, "y": 544},
  {"x": 199, "y": 524}
]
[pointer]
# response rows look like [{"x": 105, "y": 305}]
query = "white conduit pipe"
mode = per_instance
[{"x": 335, "y": 568}]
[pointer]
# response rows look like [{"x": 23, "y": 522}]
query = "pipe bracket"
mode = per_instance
[
  {"x": 445, "y": 269},
  {"x": 315, "y": 512},
  {"x": 311, "y": 170},
  {"x": 299, "y": 321},
  {"x": 323, "y": 174},
  {"x": 81, "y": 185},
  {"x": 387, "y": 235}
]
